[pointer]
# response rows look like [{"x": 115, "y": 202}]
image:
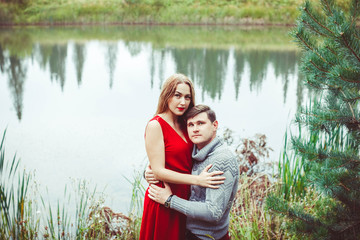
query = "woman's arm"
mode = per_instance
[{"x": 155, "y": 148}]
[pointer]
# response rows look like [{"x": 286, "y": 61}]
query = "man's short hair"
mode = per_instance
[{"x": 200, "y": 109}]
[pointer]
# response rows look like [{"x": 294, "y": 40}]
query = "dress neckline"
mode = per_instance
[{"x": 185, "y": 140}]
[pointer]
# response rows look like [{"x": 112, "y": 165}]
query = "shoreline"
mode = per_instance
[{"x": 58, "y": 24}]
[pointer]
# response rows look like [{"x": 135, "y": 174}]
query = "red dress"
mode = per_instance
[{"x": 159, "y": 222}]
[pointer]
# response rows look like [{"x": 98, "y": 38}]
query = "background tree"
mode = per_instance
[{"x": 330, "y": 42}]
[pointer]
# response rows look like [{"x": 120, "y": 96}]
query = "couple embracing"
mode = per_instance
[{"x": 193, "y": 176}]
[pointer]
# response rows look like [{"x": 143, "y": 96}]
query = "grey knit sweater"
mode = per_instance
[{"x": 208, "y": 209}]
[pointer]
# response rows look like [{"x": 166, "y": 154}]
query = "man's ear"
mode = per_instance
[{"x": 216, "y": 124}]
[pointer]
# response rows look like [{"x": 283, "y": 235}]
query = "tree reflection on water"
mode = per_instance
[{"x": 206, "y": 65}]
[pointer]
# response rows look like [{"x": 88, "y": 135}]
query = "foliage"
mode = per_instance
[
  {"x": 331, "y": 63},
  {"x": 252, "y": 153}
]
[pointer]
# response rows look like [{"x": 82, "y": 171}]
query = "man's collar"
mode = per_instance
[{"x": 201, "y": 155}]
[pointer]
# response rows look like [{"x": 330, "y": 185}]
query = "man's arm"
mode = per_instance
[
  {"x": 211, "y": 210},
  {"x": 215, "y": 203}
]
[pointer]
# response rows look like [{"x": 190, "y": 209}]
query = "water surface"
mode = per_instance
[{"x": 75, "y": 101}]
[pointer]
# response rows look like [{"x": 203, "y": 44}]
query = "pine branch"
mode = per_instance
[
  {"x": 320, "y": 69},
  {"x": 319, "y": 88},
  {"x": 331, "y": 50},
  {"x": 305, "y": 43},
  {"x": 344, "y": 164},
  {"x": 312, "y": 28},
  {"x": 351, "y": 227},
  {"x": 356, "y": 35},
  {"x": 309, "y": 47},
  {"x": 307, "y": 11},
  {"x": 348, "y": 80},
  {"x": 279, "y": 206},
  {"x": 322, "y": 119},
  {"x": 330, "y": 87},
  {"x": 350, "y": 107},
  {"x": 327, "y": 6},
  {"x": 351, "y": 99},
  {"x": 342, "y": 185},
  {"x": 355, "y": 8},
  {"x": 348, "y": 46}
]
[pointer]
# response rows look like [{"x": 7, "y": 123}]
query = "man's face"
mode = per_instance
[{"x": 201, "y": 130}]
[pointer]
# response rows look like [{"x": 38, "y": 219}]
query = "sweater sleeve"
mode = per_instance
[{"x": 215, "y": 203}]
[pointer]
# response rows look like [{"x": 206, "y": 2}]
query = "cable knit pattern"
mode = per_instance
[{"x": 208, "y": 209}]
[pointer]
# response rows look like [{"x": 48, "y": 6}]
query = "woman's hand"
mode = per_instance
[
  {"x": 149, "y": 176},
  {"x": 210, "y": 180}
]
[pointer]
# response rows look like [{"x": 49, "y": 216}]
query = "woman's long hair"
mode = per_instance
[{"x": 168, "y": 90}]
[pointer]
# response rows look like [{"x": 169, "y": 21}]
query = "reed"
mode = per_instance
[
  {"x": 73, "y": 216},
  {"x": 136, "y": 206},
  {"x": 291, "y": 172},
  {"x": 22, "y": 217},
  {"x": 13, "y": 190}
]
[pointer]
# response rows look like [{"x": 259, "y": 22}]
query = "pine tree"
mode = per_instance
[{"x": 330, "y": 42}]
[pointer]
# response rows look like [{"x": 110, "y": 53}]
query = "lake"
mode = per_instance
[{"x": 75, "y": 100}]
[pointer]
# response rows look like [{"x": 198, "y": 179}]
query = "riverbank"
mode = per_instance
[
  {"x": 21, "y": 39},
  {"x": 219, "y": 12}
]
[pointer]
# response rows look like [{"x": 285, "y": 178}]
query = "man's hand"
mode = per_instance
[
  {"x": 158, "y": 194},
  {"x": 210, "y": 179},
  {"x": 149, "y": 176}
]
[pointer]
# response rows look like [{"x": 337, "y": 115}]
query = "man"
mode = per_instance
[{"x": 208, "y": 209}]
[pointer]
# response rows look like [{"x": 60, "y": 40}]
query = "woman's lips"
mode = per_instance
[{"x": 181, "y": 109}]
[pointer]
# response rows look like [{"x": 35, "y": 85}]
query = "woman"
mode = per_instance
[{"x": 169, "y": 151}]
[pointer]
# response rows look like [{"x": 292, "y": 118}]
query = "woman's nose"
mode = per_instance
[{"x": 182, "y": 101}]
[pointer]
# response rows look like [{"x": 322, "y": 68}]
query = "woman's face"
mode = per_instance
[{"x": 179, "y": 103}]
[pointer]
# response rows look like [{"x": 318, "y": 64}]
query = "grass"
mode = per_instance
[
  {"x": 292, "y": 172},
  {"x": 136, "y": 206},
  {"x": 63, "y": 222},
  {"x": 13, "y": 190},
  {"x": 248, "y": 220},
  {"x": 150, "y": 12}
]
